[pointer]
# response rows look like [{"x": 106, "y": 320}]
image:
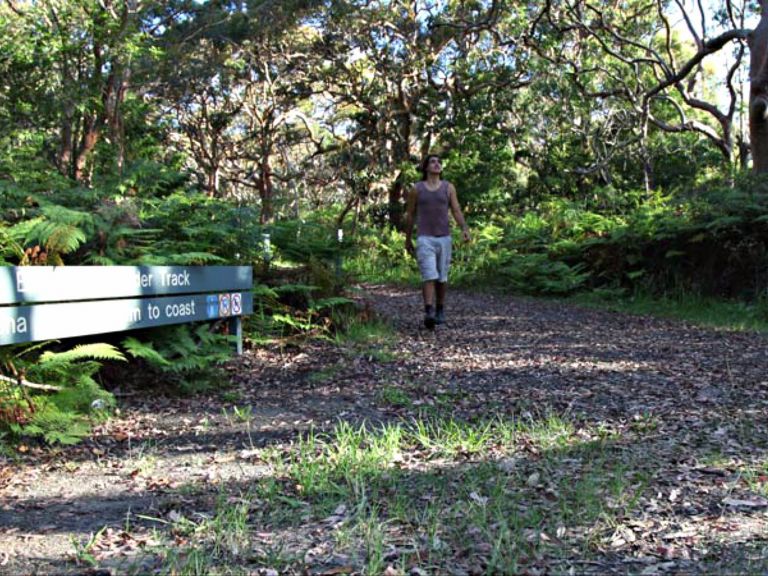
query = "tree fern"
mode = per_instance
[{"x": 57, "y": 238}]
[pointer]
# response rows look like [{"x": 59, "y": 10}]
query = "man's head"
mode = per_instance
[{"x": 431, "y": 165}]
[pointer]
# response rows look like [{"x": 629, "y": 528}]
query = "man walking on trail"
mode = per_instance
[{"x": 430, "y": 200}]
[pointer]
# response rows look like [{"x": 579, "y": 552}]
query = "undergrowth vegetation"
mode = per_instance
[
  {"x": 631, "y": 250},
  {"x": 708, "y": 242},
  {"x": 153, "y": 220}
]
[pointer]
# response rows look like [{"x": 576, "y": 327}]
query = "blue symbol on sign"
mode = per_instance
[
  {"x": 224, "y": 304},
  {"x": 212, "y": 306},
  {"x": 237, "y": 304}
]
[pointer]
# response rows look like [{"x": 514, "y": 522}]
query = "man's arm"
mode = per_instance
[
  {"x": 410, "y": 212},
  {"x": 456, "y": 211}
]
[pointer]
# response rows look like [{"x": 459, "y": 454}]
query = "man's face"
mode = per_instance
[{"x": 433, "y": 165}]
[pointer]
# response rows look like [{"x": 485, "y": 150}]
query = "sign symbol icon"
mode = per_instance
[
  {"x": 224, "y": 305},
  {"x": 237, "y": 304},
  {"x": 212, "y": 306}
]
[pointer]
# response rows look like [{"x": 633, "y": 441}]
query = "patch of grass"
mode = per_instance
[
  {"x": 371, "y": 338},
  {"x": 550, "y": 431},
  {"x": 275, "y": 557},
  {"x": 451, "y": 437},
  {"x": 83, "y": 550},
  {"x": 428, "y": 492},
  {"x": 394, "y": 396},
  {"x": 143, "y": 457},
  {"x": 728, "y": 314},
  {"x": 644, "y": 423},
  {"x": 191, "y": 561},
  {"x": 324, "y": 375},
  {"x": 238, "y": 414},
  {"x": 231, "y": 396},
  {"x": 229, "y": 527}
]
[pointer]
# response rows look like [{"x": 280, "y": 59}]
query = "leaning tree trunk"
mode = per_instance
[{"x": 758, "y": 92}]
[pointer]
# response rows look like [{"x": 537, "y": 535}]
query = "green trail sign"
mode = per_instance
[{"x": 45, "y": 302}]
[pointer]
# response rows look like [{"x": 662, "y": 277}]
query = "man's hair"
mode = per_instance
[{"x": 425, "y": 163}]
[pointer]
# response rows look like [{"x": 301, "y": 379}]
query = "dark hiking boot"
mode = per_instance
[
  {"x": 440, "y": 317},
  {"x": 429, "y": 320}
]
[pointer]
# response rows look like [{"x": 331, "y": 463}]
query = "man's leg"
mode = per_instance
[
  {"x": 427, "y": 258},
  {"x": 440, "y": 288},
  {"x": 428, "y": 291},
  {"x": 440, "y": 293}
]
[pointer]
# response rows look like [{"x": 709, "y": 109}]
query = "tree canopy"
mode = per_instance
[{"x": 307, "y": 102}]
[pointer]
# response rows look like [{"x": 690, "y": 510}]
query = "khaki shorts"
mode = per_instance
[{"x": 433, "y": 253}]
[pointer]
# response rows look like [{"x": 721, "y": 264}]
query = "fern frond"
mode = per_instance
[
  {"x": 262, "y": 291},
  {"x": 99, "y": 260},
  {"x": 29, "y": 348},
  {"x": 56, "y": 237},
  {"x": 21, "y": 230},
  {"x": 64, "y": 238},
  {"x": 331, "y": 302},
  {"x": 56, "y": 426},
  {"x": 182, "y": 342},
  {"x": 184, "y": 258},
  {"x": 61, "y": 215},
  {"x": 98, "y": 351},
  {"x": 145, "y": 351},
  {"x": 8, "y": 246},
  {"x": 198, "y": 258},
  {"x": 295, "y": 288}
]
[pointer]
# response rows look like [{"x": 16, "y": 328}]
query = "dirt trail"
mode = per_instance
[{"x": 506, "y": 356}]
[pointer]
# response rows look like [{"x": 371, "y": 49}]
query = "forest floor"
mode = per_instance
[{"x": 524, "y": 437}]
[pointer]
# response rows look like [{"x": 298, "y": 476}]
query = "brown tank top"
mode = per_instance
[{"x": 432, "y": 210}]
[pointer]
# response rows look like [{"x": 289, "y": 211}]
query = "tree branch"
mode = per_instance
[{"x": 28, "y": 384}]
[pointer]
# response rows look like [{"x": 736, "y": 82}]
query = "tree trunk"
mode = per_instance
[
  {"x": 758, "y": 92},
  {"x": 649, "y": 180},
  {"x": 90, "y": 139},
  {"x": 116, "y": 125},
  {"x": 351, "y": 203},
  {"x": 265, "y": 190},
  {"x": 212, "y": 185},
  {"x": 64, "y": 160},
  {"x": 402, "y": 155},
  {"x": 395, "y": 204}
]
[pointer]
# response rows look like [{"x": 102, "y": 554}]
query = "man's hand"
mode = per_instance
[
  {"x": 465, "y": 235},
  {"x": 409, "y": 247}
]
